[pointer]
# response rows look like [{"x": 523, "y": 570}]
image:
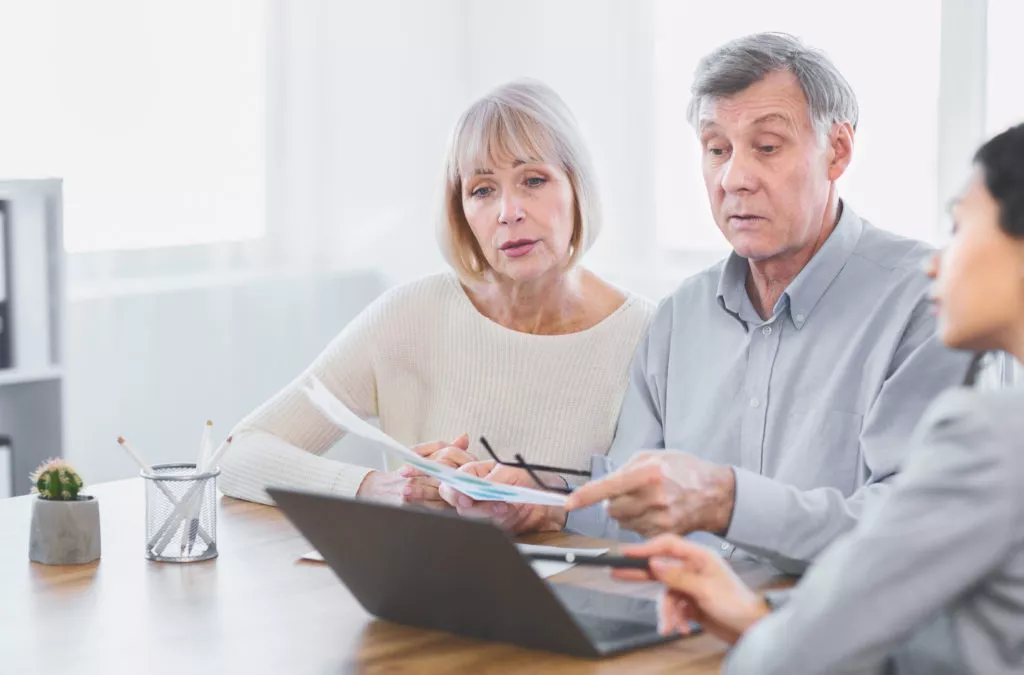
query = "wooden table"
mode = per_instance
[{"x": 255, "y": 609}]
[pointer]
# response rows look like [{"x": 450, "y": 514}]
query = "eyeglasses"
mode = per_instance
[{"x": 531, "y": 469}]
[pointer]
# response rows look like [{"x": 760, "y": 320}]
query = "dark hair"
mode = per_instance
[{"x": 1002, "y": 163}]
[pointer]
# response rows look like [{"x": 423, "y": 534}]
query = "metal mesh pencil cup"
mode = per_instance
[{"x": 181, "y": 513}]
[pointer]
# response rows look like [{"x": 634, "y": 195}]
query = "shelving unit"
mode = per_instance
[{"x": 32, "y": 389}]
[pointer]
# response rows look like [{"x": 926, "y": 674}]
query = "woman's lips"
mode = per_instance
[{"x": 517, "y": 249}]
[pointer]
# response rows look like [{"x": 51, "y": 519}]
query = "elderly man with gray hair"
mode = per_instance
[{"x": 775, "y": 392}]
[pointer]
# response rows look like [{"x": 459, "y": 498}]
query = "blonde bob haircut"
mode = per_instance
[{"x": 521, "y": 120}]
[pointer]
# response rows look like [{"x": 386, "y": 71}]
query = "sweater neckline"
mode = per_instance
[{"x": 601, "y": 325}]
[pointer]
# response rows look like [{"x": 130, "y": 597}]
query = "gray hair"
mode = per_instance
[{"x": 740, "y": 63}]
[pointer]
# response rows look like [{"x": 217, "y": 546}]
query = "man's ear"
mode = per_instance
[{"x": 840, "y": 141}]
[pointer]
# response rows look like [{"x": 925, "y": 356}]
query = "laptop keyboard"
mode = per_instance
[
  {"x": 602, "y": 630},
  {"x": 607, "y": 618}
]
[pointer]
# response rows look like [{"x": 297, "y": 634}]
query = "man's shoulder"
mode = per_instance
[{"x": 890, "y": 251}]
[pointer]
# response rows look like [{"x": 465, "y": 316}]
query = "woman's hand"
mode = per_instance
[
  {"x": 700, "y": 586},
  {"x": 409, "y": 486},
  {"x": 513, "y": 518}
]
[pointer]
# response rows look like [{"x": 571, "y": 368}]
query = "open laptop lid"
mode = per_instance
[
  {"x": 434, "y": 570},
  {"x": 443, "y": 572}
]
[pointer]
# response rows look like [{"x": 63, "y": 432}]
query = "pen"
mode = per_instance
[
  {"x": 204, "y": 454},
  {"x": 613, "y": 561},
  {"x": 134, "y": 455}
]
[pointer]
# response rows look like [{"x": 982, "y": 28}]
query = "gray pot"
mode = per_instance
[{"x": 65, "y": 533}]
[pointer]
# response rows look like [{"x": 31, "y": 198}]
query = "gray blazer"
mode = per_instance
[{"x": 932, "y": 578}]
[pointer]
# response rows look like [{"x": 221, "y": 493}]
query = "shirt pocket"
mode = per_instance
[{"x": 817, "y": 448}]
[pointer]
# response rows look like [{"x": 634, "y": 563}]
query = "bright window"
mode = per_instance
[
  {"x": 894, "y": 72},
  {"x": 1005, "y": 106},
  {"x": 152, "y": 112}
]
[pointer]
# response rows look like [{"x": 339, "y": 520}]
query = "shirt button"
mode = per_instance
[
  {"x": 799, "y": 318},
  {"x": 754, "y": 402},
  {"x": 766, "y": 331},
  {"x": 725, "y": 546}
]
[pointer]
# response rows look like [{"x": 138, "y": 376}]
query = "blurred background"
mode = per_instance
[{"x": 239, "y": 178}]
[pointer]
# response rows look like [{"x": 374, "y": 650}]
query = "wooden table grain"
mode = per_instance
[{"x": 255, "y": 609}]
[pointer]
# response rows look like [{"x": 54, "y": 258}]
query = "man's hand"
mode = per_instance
[
  {"x": 700, "y": 586},
  {"x": 411, "y": 486},
  {"x": 513, "y": 518},
  {"x": 664, "y": 491}
]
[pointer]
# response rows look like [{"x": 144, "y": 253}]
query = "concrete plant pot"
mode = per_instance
[{"x": 65, "y": 532}]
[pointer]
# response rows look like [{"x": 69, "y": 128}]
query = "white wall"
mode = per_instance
[
  {"x": 361, "y": 98},
  {"x": 357, "y": 120},
  {"x": 367, "y": 93},
  {"x": 598, "y": 55},
  {"x": 153, "y": 366}
]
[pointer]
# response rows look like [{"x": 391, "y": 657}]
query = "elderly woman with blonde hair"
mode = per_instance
[{"x": 517, "y": 343}]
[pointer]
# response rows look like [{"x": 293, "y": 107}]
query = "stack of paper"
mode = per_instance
[{"x": 477, "y": 488}]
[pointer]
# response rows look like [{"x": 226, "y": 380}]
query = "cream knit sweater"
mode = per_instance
[{"x": 431, "y": 367}]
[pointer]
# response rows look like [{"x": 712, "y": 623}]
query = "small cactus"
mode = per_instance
[{"x": 55, "y": 479}]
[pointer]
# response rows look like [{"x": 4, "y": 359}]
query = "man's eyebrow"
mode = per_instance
[{"x": 772, "y": 117}]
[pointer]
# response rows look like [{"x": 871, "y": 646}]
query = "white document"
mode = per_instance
[
  {"x": 543, "y": 568},
  {"x": 476, "y": 488}
]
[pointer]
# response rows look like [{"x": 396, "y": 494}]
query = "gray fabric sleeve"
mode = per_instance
[{"x": 942, "y": 528}]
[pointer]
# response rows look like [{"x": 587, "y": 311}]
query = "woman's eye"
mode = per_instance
[
  {"x": 535, "y": 181},
  {"x": 716, "y": 152},
  {"x": 768, "y": 149},
  {"x": 480, "y": 192}
]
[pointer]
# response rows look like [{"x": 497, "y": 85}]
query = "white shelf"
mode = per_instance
[
  {"x": 31, "y": 391},
  {"x": 18, "y": 376}
]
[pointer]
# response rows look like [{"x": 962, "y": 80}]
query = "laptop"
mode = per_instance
[{"x": 442, "y": 572}]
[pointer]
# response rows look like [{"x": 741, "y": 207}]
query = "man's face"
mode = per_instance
[{"x": 767, "y": 171}]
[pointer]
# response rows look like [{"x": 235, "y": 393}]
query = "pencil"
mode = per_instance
[{"x": 134, "y": 455}]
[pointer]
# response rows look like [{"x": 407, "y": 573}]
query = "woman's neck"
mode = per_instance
[{"x": 550, "y": 305}]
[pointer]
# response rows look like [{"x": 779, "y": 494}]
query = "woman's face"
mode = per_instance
[
  {"x": 521, "y": 213},
  {"x": 979, "y": 277}
]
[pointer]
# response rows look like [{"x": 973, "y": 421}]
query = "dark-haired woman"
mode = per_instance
[{"x": 932, "y": 581}]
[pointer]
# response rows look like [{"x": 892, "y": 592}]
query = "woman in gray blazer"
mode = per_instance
[{"x": 932, "y": 579}]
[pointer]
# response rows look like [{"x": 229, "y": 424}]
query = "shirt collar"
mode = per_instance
[
  {"x": 732, "y": 287},
  {"x": 804, "y": 292}
]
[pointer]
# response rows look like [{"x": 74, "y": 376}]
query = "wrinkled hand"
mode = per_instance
[
  {"x": 408, "y": 485},
  {"x": 664, "y": 491},
  {"x": 513, "y": 518},
  {"x": 699, "y": 586}
]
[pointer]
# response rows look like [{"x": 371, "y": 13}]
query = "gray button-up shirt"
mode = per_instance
[{"x": 813, "y": 407}]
